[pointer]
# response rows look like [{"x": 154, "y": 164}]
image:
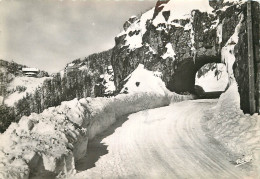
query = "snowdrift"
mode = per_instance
[
  {"x": 239, "y": 132},
  {"x": 47, "y": 144}
]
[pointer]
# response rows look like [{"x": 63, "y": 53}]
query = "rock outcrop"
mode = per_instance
[{"x": 179, "y": 40}]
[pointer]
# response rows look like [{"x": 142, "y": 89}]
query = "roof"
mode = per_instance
[{"x": 30, "y": 69}]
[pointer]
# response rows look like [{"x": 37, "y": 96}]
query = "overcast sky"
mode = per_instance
[{"x": 47, "y": 34}]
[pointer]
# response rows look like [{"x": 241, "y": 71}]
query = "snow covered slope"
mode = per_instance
[
  {"x": 20, "y": 86},
  {"x": 142, "y": 80},
  {"x": 16, "y": 84},
  {"x": 229, "y": 125}
]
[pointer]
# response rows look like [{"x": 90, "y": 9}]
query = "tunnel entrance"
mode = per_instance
[
  {"x": 211, "y": 80},
  {"x": 192, "y": 77}
]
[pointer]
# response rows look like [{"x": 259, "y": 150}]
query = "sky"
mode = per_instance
[{"x": 48, "y": 34}]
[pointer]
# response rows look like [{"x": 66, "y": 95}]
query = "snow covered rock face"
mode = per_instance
[
  {"x": 49, "y": 143},
  {"x": 177, "y": 38}
]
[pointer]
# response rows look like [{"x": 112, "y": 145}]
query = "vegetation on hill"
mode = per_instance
[{"x": 75, "y": 81}]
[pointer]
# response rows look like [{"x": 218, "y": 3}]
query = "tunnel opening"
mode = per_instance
[
  {"x": 200, "y": 77},
  {"x": 211, "y": 80}
]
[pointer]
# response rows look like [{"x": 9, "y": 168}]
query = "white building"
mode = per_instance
[{"x": 31, "y": 72}]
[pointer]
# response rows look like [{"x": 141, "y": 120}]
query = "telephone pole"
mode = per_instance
[{"x": 251, "y": 67}]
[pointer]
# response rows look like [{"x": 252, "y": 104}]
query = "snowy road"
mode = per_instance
[{"x": 165, "y": 142}]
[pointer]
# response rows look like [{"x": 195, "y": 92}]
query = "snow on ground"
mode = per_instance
[
  {"x": 171, "y": 142},
  {"x": 29, "y": 83},
  {"x": 45, "y": 137},
  {"x": 237, "y": 131},
  {"x": 166, "y": 142},
  {"x": 47, "y": 144},
  {"x": 142, "y": 80},
  {"x": 212, "y": 82}
]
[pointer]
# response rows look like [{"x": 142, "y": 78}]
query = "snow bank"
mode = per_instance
[
  {"x": 212, "y": 82},
  {"x": 142, "y": 80},
  {"x": 29, "y": 83},
  {"x": 227, "y": 123},
  {"x": 41, "y": 142},
  {"x": 237, "y": 131},
  {"x": 47, "y": 144}
]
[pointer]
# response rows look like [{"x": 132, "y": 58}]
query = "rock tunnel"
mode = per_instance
[
  {"x": 183, "y": 79},
  {"x": 208, "y": 39}
]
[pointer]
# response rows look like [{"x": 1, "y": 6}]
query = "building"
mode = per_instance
[{"x": 30, "y": 72}]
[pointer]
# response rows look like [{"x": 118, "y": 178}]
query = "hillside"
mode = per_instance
[
  {"x": 91, "y": 76},
  {"x": 10, "y": 71},
  {"x": 57, "y": 137}
]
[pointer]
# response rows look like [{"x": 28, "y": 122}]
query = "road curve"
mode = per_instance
[{"x": 166, "y": 142}]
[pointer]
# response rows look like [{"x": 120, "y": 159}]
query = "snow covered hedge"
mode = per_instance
[{"x": 47, "y": 144}]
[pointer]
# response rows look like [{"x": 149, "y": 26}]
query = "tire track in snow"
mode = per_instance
[{"x": 165, "y": 142}]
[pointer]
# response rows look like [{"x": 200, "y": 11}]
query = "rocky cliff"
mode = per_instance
[{"x": 178, "y": 41}]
